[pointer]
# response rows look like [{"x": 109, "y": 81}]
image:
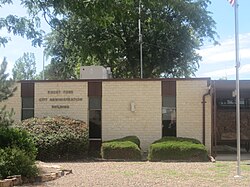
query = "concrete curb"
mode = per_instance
[
  {"x": 17, "y": 180},
  {"x": 11, "y": 181}
]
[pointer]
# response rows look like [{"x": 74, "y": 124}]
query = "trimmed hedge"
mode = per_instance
[
  {"x": 133, "y": 139},
  {"x": 17, "y": 153},
  {"x": 58, "y": 137},
  {"x": 127, "y": 148},
  {"x": 172, "y": 148}
]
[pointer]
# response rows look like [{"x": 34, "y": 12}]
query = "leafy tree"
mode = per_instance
[
  {"x": 51, "y": 72},
  {"x": 22, "y": 26},
  {"x": 25, "y": 67},
  {"x": 6, "y": 86},
  {"x": 106, "y": 33},
  {"x": 6, "y": 90}
]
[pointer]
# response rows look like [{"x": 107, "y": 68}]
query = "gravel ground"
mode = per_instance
[{"x": 157, "y": 174}]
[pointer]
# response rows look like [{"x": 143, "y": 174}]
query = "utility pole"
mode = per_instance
[{"x": 140, "y": 39}]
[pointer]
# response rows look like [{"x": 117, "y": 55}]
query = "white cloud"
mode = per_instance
[
  {"x": 219, "y": 61},
  {"x": 226, "y": 51},
  {"x": 244, "y": 71}
]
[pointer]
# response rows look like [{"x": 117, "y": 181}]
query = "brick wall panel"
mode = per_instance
[
  {"x": 118, "y": 120},
  {"x": 189, "y": 110},
  {"x": 14, "y": 103},
  {"x": 76, "y": 110}
]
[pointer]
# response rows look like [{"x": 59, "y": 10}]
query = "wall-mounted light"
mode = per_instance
[
  {"x": 132, "y": 106},
  {"x": 234, "y": 93}
]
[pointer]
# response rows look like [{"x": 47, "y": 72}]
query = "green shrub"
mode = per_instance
[
  {"x": 6, "y": 117},
  {"x": 172, "y": 148},
  {"x": 133, "y": 139},
  {"x": 14, "y": 161},
  {"x": 179, "y": 139},
  {"x": 18, "y": 138},
  {"x": 17, "y": 153},
  {"x": 58, "y": 137},
  {"x": 125, "y": 148}
]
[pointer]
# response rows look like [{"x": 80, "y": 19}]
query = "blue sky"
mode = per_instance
[{"x": 218, "y": 61}]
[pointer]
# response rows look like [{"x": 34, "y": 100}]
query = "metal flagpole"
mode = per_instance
[
  {"x": 43, "y": 65},
  {"x": 140, "y": 38},
  {"x": 237, "y": 87}
]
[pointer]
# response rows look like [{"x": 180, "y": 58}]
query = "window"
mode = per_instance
[
  {"x": 169, "y": 116},
  {"x": 27, "y": 113},
  {"x": 27, "y": 107},
  {"x": 95, "y": 103},
  {"x": 27, "y": 94},
  {"x": 95, "y": 123},
  {"x": 169, "y": 108},
  {"x": 28, "y": 102},
  {"x": 95, "y": 119}
]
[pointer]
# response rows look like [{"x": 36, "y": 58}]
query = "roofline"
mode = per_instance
[
  {"x": 230, "y": 84},
  {"x": 114, "y": 80}
]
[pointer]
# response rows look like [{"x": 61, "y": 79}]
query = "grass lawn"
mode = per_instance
[{"x": 220, "y": 173}]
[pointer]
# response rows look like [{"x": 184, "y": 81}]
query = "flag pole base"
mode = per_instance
[{"x": 238, "y": 177}]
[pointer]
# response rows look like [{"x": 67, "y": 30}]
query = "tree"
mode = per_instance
[
  {"x": 25, "y": 67},
  {"x": 106, "y": 33},
  {"x": 51, "y": 72},
  {"x": 22, "y": 26},
  {"x": 6, "y": 90},
  {"x": 6, "y": 86},
  {"x": 25, "y": 27}
]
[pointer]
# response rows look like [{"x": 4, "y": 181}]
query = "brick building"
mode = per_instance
[{"x": 147, "y": 108}]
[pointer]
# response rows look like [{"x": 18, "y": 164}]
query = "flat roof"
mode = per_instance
[
  {"x": 230, "y": 84},
  {"x": 102, "y": 80}
]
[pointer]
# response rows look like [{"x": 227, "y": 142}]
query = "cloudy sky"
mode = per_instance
[{"x": 218, "y": 61}]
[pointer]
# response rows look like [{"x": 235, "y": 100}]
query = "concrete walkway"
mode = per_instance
[{"x": 232, "y": 157}]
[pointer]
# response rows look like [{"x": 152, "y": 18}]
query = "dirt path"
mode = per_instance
[{"x": 157, "y": 174}]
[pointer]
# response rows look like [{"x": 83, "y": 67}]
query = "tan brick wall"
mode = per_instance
[
  {"x": 47, "y": 93},
  {"x": 15, "y": 103},
  {"x": 118, "y": 120},
  {"x": 189, "y": 110}
]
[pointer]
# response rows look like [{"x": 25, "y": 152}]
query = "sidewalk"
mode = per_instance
[{"x": 232, "y": 157}]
